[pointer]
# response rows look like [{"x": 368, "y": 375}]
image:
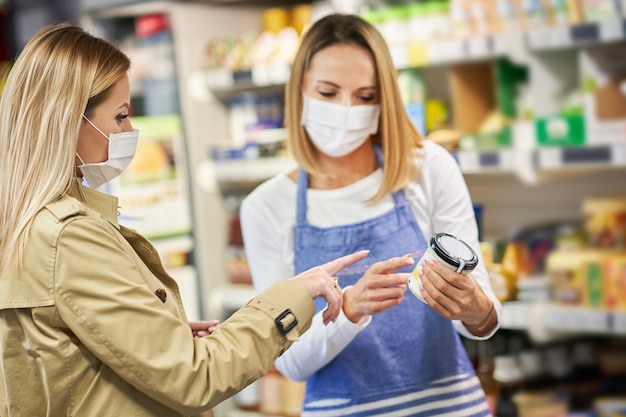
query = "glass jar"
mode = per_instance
[{"x": 451, "y": 252}]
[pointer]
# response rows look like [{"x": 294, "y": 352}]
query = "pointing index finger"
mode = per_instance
[{"x": 338, "y": 264}]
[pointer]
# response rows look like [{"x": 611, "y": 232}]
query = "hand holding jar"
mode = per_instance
[{"x": 441, "y": 279}]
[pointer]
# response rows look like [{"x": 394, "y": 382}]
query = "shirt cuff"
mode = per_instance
[{"x": 460, "y": 327}]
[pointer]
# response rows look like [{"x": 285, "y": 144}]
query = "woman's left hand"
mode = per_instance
[
  {"x": 457, "y": 297},
  {"x": 203, "y": 328}
]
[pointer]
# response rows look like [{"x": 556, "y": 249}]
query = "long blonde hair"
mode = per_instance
[
  {"x": 62, "y": 73},
  {"x": 396, "y": 134}
]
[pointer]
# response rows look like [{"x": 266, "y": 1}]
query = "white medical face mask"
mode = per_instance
[
  {"x": 337, "y": 130},
  {"x": 122, "y": 147}
]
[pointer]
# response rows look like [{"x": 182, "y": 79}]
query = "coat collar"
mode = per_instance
[{"x": 104, "y": 204}]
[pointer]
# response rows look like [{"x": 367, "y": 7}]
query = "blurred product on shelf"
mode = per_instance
[
  {"x": 502, "y": 279},
  {"x": 509, "y": 376},
  {"x": 597, "y": 10},
  {"x": 570, "y": 280},
  {"x": 611, "y": 407},
  {"x": 534, "y": 404},
  {"x": 236, "y": 263},
  {"x": 437, "y": 114},
  {"x": 593, "y": 275},
  {"x": 508, "y": 16},
  {"x": 606, "y": 221},
  {"x": 412, "y": 89},
  {"x": 255, "y": 129},
  {"x": 448, "y": 138},
  {"x": 257, "y": 57},
  {"x": 485, "y": 365},
  {"x": 533, "y": 290},
  {"x": 159, "y": 79},
  {"x": 602, "y": 73},
  {"x": 280, "y": 396},
  {"x": 434, "y": 20},
  {"x": 614, "y": 282},
  {"x": 461, "y": 23},
  {"x": 300, "y": 17},
  {"x": 577, "y": 376},
  {"x": 275, "y": 19}
]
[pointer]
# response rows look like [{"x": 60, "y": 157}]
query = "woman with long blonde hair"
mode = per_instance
[
  {"x": 367, "y": 179},
  {"x": 90, "y": 322}
]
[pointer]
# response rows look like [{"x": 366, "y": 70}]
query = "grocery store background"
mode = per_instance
[{"x": 529, "y": 95}]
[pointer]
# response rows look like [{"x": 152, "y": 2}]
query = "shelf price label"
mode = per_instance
[
  {"x": 560, "y": 37},
  {"x": 500, "y": 45},
  {"x": 549, "y": 158},
  {"x": 469, "y": 160},
  {"x": 479, "y": 47},
  {"x": 445, "y": 51},
  {"x": 618, "y": 155},
  {"x": 611, "y": 30},
  {"x": 619, "y": 322},
  {"x": 539, "y": 38}
]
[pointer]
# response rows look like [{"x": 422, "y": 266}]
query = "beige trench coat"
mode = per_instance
[{"x": 82, "y": 332}]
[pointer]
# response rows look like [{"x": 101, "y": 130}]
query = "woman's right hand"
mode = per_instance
[
  {"x": 377, "y": 290},
  {"x": 319, "y": 281}
]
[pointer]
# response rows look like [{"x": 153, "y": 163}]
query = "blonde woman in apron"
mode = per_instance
[{"x": 367, "y": 180}]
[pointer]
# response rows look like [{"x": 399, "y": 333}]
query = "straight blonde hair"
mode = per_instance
[
  {"x": 396, "y": 135},
  {"x": 62, "y": 73}
]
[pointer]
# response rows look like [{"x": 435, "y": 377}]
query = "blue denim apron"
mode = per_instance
[{"x": 404, "y": 349}]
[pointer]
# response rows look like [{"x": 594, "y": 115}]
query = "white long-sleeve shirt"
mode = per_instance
[{"x": 438, "y": 198}]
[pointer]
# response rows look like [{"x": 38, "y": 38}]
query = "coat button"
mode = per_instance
[{"x": 161, "y": 294}]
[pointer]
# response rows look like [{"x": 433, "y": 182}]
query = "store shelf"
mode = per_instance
[
  {"x": 436, "y": 52},
  {"x": 530, "y": 165},
  {"x": 240, "y": 175},
  {"x": 577, "y": 35},
  {"x": 535, "y": 164},
  {"x": 498, "y": 161},
  {"x": 260, "y": 80},
  {"x": 226, "y": 85},
  {"x": 587, "y": 157},
  {"x": 545, "y": 320}
]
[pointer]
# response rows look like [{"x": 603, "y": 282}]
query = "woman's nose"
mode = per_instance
[{"x": 346, "y": 100}]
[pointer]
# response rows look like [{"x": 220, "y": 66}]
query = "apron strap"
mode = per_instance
[{"x": 303, "y": 184}]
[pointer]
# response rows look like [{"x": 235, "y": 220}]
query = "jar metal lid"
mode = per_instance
[{"x": 454, "y": 251}]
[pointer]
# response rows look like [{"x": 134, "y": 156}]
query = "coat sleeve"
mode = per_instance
[{"x": 103, "y": 300}]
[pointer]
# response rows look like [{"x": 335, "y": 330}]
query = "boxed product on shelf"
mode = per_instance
[
  {"x": 590, "y": 277},
  {"x": 560, "y": 130},
  {"x": 157, "y": 49},
  {"x": 605, "y": 221},
  {"x": 614, "y": 282},
  {"x": 567, "y": 284},
  {"x": 484, "y": 98},
  {"x": 602, "y": 73}
]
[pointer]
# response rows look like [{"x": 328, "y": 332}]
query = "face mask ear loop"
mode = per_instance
[
  {"x": 80, "y": 159},
  {"x": 95, "y": 127}
]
